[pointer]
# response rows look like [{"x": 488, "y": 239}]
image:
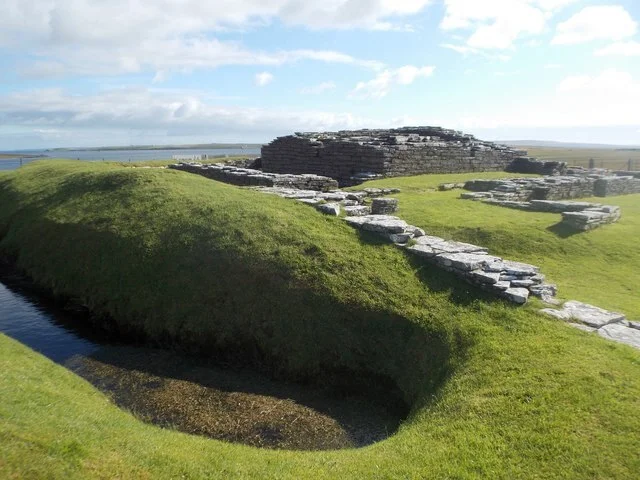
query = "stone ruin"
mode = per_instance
[
  {"x": 549, "y": 194},
  {"x": 352, "y": 157},
  {"x": 249, "y": 177}
]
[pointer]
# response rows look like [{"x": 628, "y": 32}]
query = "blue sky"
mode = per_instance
[{"x": 91, "y": 73}]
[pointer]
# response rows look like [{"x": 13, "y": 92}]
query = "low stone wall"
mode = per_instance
[
  {"x": 249, "y": 177},
  {"x": 558, "y": 187},
  {"x": 616, "y": 185},
  {"x": 540, "y": 167},
  {"x": 581, "y": 216},
  {"x": 353, "y": 156},
  {"x": 591, "y": 218}
]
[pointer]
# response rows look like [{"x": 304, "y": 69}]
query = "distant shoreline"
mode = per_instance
[
  {"x": 204, "y": 146},
  {"x": 10, "y": 156}
]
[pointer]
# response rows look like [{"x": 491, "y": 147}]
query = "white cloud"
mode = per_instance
[
  {"x": 94, "y": 37},
  {"x": 466, "y": 50},
  {"x": 263, "y": 78},
  {"x": 167, "y": 113},
  {"x": 606, "y": 22},
  {"x": 381, "y": 85},
  {"x": 171, "y": 55},
  {"x": 498, "y": 24},
  {"x": 318, "y": 89},
  {"x": 623, "y": 49},
  {"x": 122, "y": 21},
  {"x": 607, "y": 99}
]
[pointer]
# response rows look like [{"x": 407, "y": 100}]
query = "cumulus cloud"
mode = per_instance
[
  {"x": 263, "y": 78},
  {"x": 138, "y": 111},
  {"x": 123, "y": 21},
  {"x": 623, "y": 49},
  {"x": 93, "y": 37},
  {"x": 497, "y": 24},
  {"x": 383, "y": 82},
  {"x": 318, "y": 89},
  {"x": 606, "y": 22}
]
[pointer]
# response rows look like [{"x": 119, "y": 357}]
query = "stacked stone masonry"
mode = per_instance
[
  {"x": 560, "y": 187},
  {"x": 250, "y": 177},
  {"x": 354, "y": 156},
  {"x": 511, "y": 280}
]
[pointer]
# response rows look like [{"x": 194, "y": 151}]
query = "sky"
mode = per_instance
[{"x": 81, "y": 73}]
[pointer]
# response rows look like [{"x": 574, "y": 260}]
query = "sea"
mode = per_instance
[{"x": 116, "y": 155}]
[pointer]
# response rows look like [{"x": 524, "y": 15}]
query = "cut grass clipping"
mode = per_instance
[{"x": 496, "y": 391}]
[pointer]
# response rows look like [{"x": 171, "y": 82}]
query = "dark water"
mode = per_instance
[
  {"x": 191, "y": 395},
  {"x": 119, "y": 155}
]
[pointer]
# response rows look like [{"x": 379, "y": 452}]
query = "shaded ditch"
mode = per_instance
[{"x": 192, "y": 394}]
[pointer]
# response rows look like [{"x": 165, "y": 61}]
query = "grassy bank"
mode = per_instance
[
  {"x": 600, "y": 267},
  {"x": 497, "y": 391}
]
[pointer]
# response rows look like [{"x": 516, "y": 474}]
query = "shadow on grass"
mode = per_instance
[
  {"x": 435, "y": 278},
  {"x": 242, "y": 310},
  {"x": 563, "y": 231}
]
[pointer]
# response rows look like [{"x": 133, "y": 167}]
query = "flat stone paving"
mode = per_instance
[{"x": 610, "y": 325}]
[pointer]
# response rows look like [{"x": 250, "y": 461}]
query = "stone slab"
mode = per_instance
[
  {"x": 622, "y": 334},
  {"x": 587, "y": 314}
]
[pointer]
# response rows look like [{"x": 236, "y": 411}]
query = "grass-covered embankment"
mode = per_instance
[
  {"x": 600, "y": 267},
  {"x": 497, "y": 391}
]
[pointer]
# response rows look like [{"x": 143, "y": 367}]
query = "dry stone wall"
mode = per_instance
[
  {"x": 354, "y": 156},
  {"x": 556, "y": 187},
  {"x": 250, "y": 177}
]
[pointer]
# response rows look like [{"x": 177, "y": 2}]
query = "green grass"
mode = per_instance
[
  {"x": 600, "y": 267},
  {"x": 603, "y": 157},
  {"x": 497, "y": 391}
]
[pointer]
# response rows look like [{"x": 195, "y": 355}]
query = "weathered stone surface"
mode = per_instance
[
  {"x": 379, "y": 223},
  {"x": 329, "y": 208},
  {"x": 584, "y": 313},
  {"x": 634, "y": 325},
  {"x": 400, "y": 238},
  {"x": 357, "y": 211},
  {"x": 384, "y": 206},
  {"x": 515, "y": 269},
  {"x": 486, "y": 277},
  {"x": 464, "y": 261},
  {"x": 517, "y": 295},
  {"x": 544, "y": 290},
  {"x": 622, "y": 334},
  {"x": 418, "y": 232},
  {"x": 249, "y": 177}
]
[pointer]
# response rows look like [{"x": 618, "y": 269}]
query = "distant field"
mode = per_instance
[{"x": 616, "y": 159}]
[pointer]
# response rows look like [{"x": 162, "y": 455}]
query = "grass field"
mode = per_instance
[
  {"x": 614, "y": 159},
  {"x": 496, "y": 391},
  {"x": 602, "y": 266}
]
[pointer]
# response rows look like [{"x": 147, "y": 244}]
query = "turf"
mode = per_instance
[
  {"x": 601, "y": 266},
  {"x": 497, "y": 391}
]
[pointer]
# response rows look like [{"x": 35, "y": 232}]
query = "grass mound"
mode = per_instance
[{"x": 497, "y": 391}]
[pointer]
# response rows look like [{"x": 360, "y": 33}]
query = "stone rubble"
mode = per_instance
[
  {"x": 384, "y": 206},
  {"x": 511, "y": 280},
  {"x": 250, "y": 177},
  {"x": 519, "y": 193},
  {"x": 610, "y": 325},
  {"x": 562, "y": 187}
]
